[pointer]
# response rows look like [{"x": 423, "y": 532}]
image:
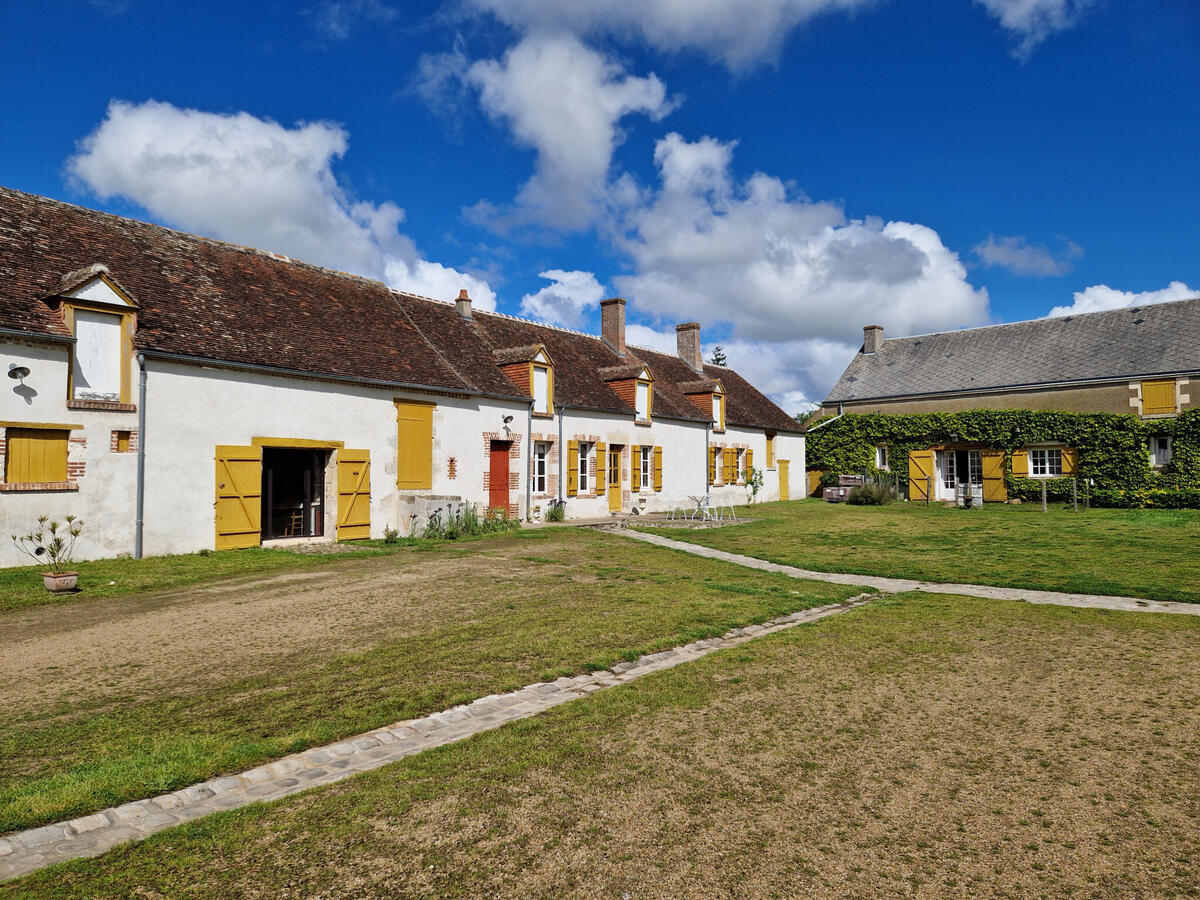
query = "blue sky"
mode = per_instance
[{"x": 783, "y": 171}]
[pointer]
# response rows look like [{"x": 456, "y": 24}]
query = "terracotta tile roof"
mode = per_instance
[
  {"x": 619, "y": 373},
  {"x": 746, "y": 405},
  {"x": 516, "y": 354},
  {"x": 213, "y": 300}
]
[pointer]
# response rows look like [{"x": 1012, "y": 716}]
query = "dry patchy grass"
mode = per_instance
[{"x": 922, "y": 746}]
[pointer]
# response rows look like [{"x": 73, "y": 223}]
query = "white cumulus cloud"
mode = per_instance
[
  {"x": 567, "y": 301},
  {"x": 737, "y": 33},
  {"x": 1030, "y": 22},
  {"x": 1099, "y": 297},
  {"x": 795, "y": 278},
  {"x": 565, "y": 101},
  {"x": 1023, "y": 258},
  {"x": 252, "y": 181}
]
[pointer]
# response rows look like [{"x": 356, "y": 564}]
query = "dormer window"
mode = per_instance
[
  {"x": 643, "y": 401},
  {"x": 532, "y": 371},
  {"x": 101, "y": 317},
  {"x": 542, "y": 403},
  {"x": 718, "y": 408}
]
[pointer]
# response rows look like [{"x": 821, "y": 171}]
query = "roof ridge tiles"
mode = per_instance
[
  {"x": 1070, "y": 316},
  {"x": 215, "y": 242}
]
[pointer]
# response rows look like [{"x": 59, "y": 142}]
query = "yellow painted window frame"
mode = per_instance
[
  {"x": 771, "y": 451},
  {"x": 533, "y": 367},
  {"x": 127, "y": 322},
  {"x": 10, "y": 427},
  {"x": 1160, "y": 409},
  {"x": 649, "y": 383},
  {"x": 410, "y": 475}
]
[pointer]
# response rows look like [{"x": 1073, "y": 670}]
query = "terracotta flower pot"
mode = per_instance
[{"x": 60, "y": 582}]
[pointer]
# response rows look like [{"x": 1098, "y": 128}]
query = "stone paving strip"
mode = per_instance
[
  {"x": 26, "y": 851},
  {"x": 900, "y": 585}
]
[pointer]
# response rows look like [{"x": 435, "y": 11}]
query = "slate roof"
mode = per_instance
[
  {"x": 1118, "y": 344},
  {"x": 212, "y": 300}
]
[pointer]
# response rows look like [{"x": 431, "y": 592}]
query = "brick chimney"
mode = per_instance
[
  {"x": 612, "y": 324},
  {"x": 463, "y": 304},
  {"x": 687, "y": 339},
  {"x": 872, "y": 338}
]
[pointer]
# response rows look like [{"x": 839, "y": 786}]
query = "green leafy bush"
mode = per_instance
[
  {"x": 1114, "y": 457},
  {"x": 872, "y": 494}
]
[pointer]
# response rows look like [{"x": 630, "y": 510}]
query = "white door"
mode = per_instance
[{"x": 946, "y": 475}]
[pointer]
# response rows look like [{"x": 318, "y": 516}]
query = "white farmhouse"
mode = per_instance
[{"x": 180, "y": 393}]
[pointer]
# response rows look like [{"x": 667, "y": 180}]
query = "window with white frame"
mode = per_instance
[
  {"x": 541, "y": 390},
  {"x": 881, "y": 456},
  {"x": 643, "y": 401},
  {"x": 975, "y": 467},
  {"x": 585, "y": 475},
  {"x": 1160, "y": 450},
  {"x": 1045, "y": 462},
  {"x": 541, "y": 454},
  {"x": 741, "y": 465},
  {"x": 647, "y": 472},
  {"x": 949, "y": 469}
]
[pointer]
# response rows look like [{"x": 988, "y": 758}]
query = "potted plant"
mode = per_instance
[{"x": 53, "y": 543}]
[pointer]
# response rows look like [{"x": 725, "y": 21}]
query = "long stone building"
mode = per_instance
[{"x": 180, "y": 393}]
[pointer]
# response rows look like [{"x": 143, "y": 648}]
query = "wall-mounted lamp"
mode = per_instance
[
  {"x": 507, "y": 419},
  {"x": 18, "y": 373}
]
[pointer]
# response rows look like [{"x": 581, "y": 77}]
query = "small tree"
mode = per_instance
[
  {"x": 754, "y": 482},
  {"x": 51, "y": 542},
  {"x": 718, "y": 356}
]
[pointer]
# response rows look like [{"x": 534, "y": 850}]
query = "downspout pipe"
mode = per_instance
[
  {"x": 707, "y": 450},
  {"x": 529, "y": 463},
  {"x": 141, "y": 459},
  {"x": 562, "y": 453}
]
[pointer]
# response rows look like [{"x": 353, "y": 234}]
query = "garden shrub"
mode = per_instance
[{"x": 872, "y": 495}]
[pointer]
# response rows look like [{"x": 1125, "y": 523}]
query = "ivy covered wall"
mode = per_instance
[{"x": 1113, "y": 450}]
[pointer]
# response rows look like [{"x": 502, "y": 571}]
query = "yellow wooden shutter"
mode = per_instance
[
  {"x": 1020, "y": 463},
  {"x": 1070, "y": 461},
  {"x": 730, "y": 465},
  {"x": 414, "y": 445},
  {"x": 238, "y": 508},
  {"x": 635, "y": 472},
  {"x": 770, "y": 451},
  {"x": 354, "y": 494},
  {"x": 920, "y": 468},
  {"x": 749, "y": 462},
  {"x": 600, "y": 476},
  {"x": 712, "y": 465},
  {"x": 572, "y": 468},
  {"x": 785, "y": 489},
  {"x": 36, "y": 455},
  {"x": 994, "y": 488},
  {"x": 1158, "y": 397},
  {"x": 658, "y": 468}
]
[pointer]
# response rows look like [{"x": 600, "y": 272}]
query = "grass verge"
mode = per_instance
[
  {"x": 1137, "y": 553},
  {"x": 504, "y": 613},
  {"x": 920, "y": 746}
]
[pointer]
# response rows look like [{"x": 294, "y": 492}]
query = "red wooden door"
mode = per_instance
[{"x": 498, "y": 477}]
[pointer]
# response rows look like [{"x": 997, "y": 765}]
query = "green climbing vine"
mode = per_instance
[{"x": 1114, "y": 455}]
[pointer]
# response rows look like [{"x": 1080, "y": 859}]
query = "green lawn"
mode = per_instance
[
  {"x": 1139, "y": 553},
  {"x": 458, "y": 622},
  {"x": 923, "y": 745}
]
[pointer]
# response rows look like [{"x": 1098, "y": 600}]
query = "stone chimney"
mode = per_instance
[
  {"x": 687, "y": 339},
  {"x": 872, "y": 338},
  {"x": 612, "y": 324},
  {"x": 463, "y": 304}
]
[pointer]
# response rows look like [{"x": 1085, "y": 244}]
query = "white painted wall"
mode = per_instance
[
  {"x": 232, "y": 408},
  {"x": 105, "y": 499},
  {"x": 190, "y": 410}
]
